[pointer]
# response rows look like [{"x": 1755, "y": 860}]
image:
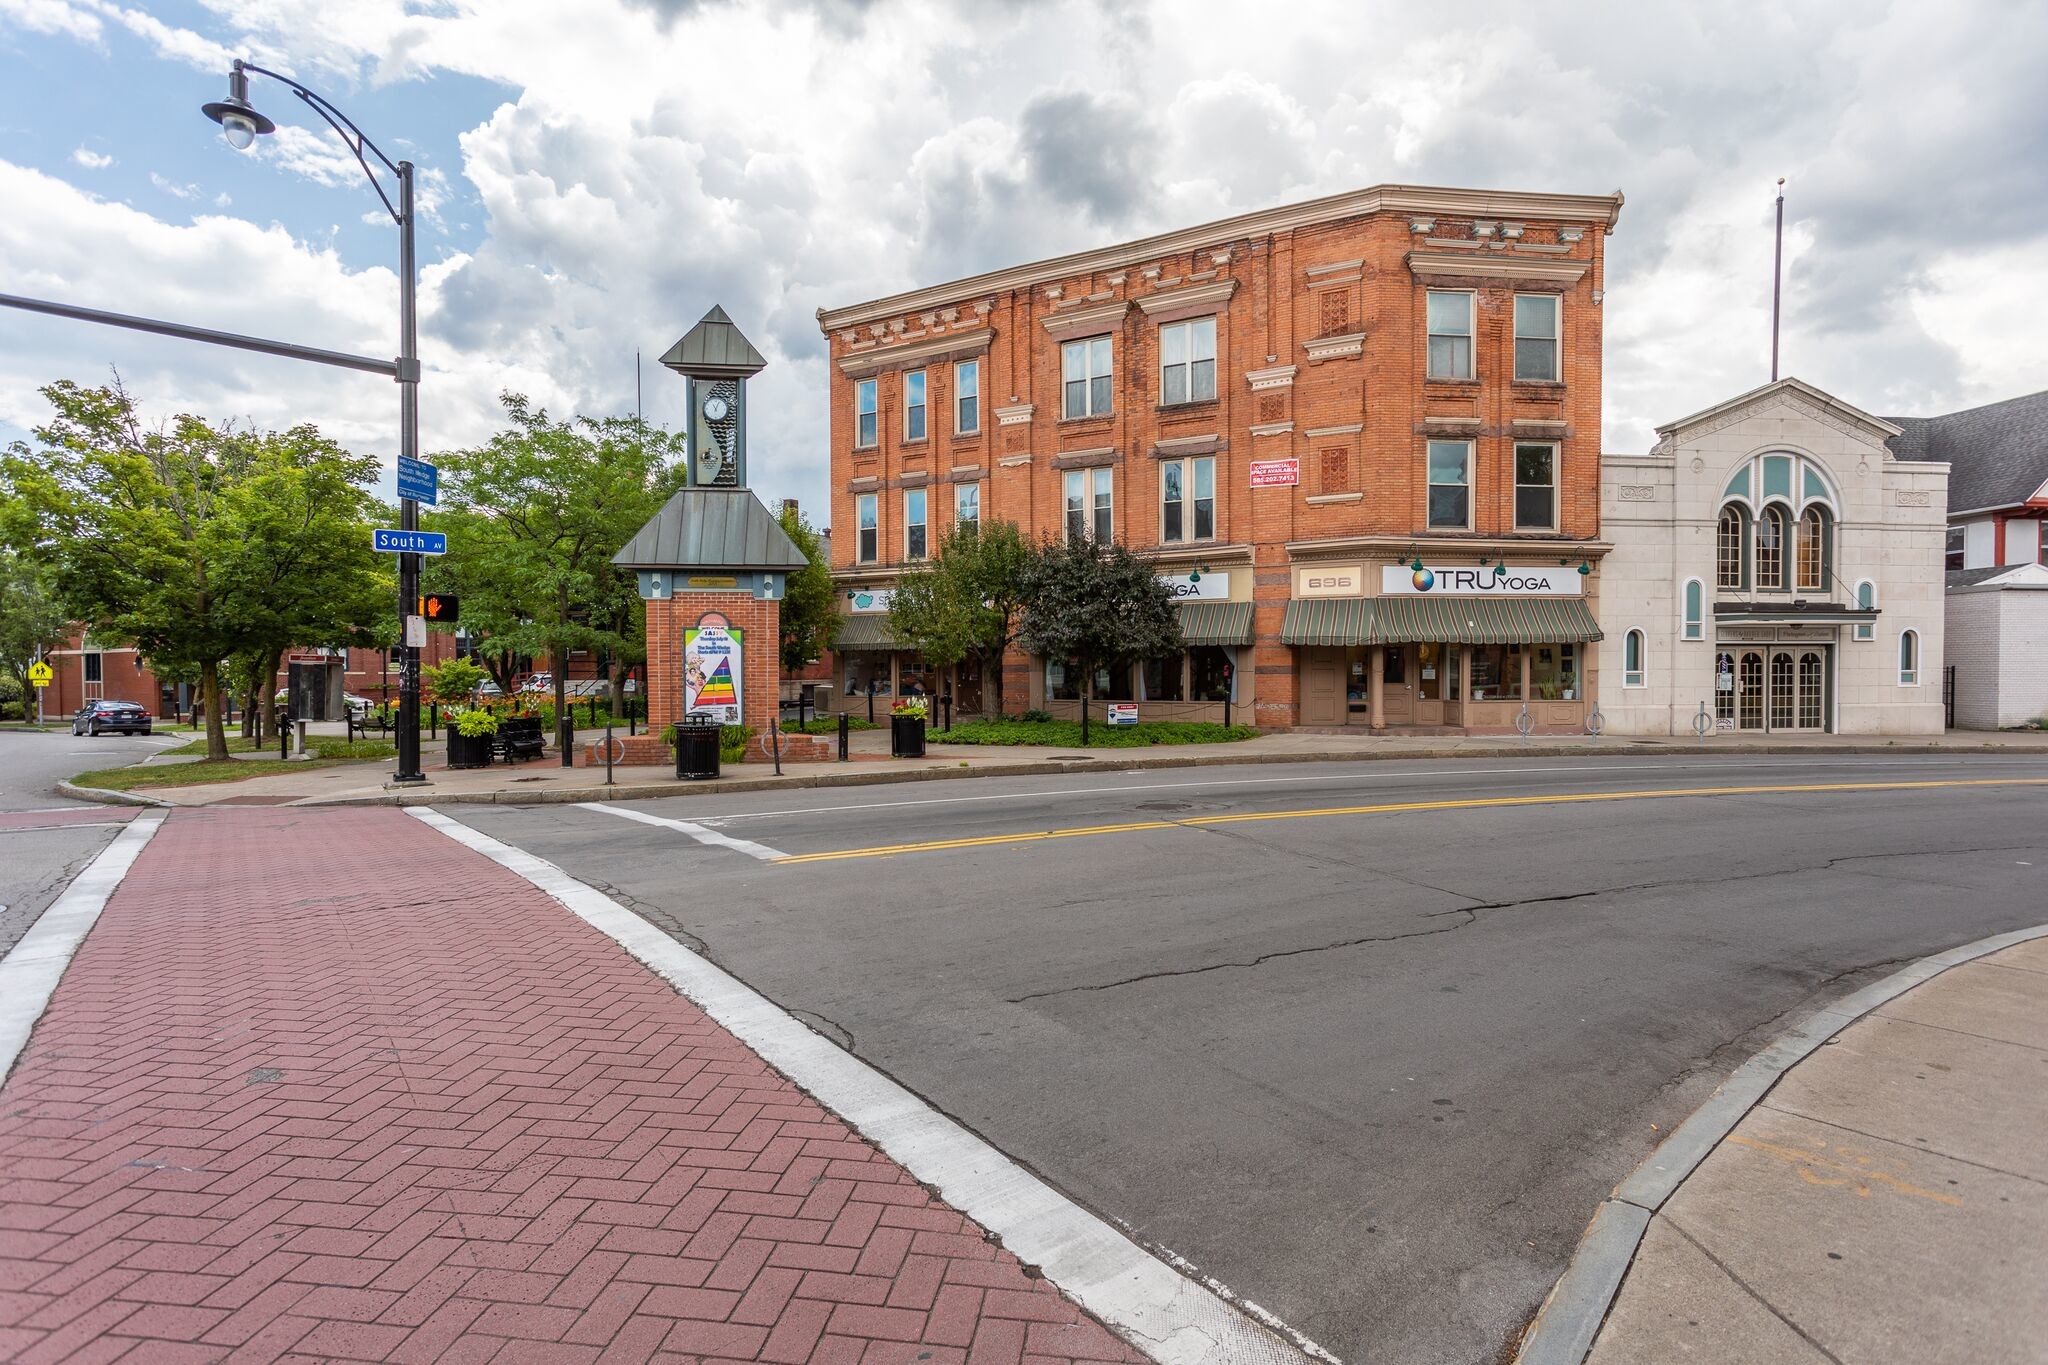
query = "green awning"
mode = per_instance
[
  {"x": 869, "y": 631},
  {"x": 1484, "y": 620},
  {"x": 1216, "y": 623},
  {"x": 1328, "y": 621},
  {"x": 1345, "y": 621}
]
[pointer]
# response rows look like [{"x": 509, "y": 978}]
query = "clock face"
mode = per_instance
[{"x": 715, "y": 408}]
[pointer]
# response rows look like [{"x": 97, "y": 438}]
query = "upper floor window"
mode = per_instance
[
  {"x": 1632, "y": 659},
  {"x": 1536, "y": 336},
  {"x": 966, "y": 504},
  {"x": 864, "y": 413},
  {"x": 1085, "y": 371},
  {"x": 1772, "y": 530},
  {"x": 1187, "y": 500},
  {"x": 913, "y": 406},
  {"x": 1909, "y": 658},
  {"x": 865, "y": 508},
  {"x": 1958, "y": 548},
  {"x": 1187, "y": 361},
  {"x": 1866, "y": 598},
  {"x": 1450, "y": 334},
  {"x": 1812, "y": 557},
  {"x": 93, "y": 664},
  {"x": 1694, "y": 625},
  {"x": 1731, "y": 549},
  {"x": 1535, "y": 487},
  {"x": 967, "y": 397},
  {"x": 1089, "y": 509},
  {"x": 1450, "y": 484},
  {"x": 913, "y": 523}
]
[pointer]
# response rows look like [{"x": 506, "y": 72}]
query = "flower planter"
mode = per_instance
[
  {"x": 468, "y": 751},
  {"x": 906, "y": 736}
]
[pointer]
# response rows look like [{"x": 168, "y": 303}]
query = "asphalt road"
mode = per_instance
[{"x": 37, "y": 864}]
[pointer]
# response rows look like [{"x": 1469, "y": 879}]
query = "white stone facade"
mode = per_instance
[
  {"x": 1885, "y": 524},
  {"x": 1998, "y": 641}
]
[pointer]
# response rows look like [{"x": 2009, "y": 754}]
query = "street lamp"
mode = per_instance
[{"x": 241, "y": 125}]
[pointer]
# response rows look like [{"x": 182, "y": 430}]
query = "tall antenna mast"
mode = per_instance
[
  {"x": 1777, "y": 276},
  {"x": 638, "y": 416}
]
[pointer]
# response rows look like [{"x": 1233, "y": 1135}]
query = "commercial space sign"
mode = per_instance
[
  {"x": 1276, "y": 473},
  {"x": 1469, "y": 580},
  {"x": 866, "y": 601},
  {"x": 1330, "y": 580},
  {"x": 1123, "y": 713},
  {"x": 713, "y": 654},
  {"x": 1197, "y": 587}
]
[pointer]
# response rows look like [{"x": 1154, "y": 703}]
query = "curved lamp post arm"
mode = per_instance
[{"x": 342, "y": 124}]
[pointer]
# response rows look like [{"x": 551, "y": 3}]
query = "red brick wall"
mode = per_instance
[
  {"x": 1277, "y": 307},
  {"x": 666, "y": 621}
]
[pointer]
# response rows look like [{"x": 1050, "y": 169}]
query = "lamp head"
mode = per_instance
[{"x": 239, "y": 122}]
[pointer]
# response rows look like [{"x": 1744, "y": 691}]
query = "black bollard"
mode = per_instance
[{"x": 845, "y": 729}]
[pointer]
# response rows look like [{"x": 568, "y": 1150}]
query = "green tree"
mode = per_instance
[
  {"x": 31, "y": 623},
  {"x": 810, "y": 604},
  {"x": 968, "y": 600},
  {"x": 1096, "y": 606},
  {"x": 540, "y": 509}
]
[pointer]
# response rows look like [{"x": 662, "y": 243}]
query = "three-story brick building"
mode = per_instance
[{"x": 1359, "y": 436}]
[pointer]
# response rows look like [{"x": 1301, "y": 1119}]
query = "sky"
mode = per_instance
[{"x": 595, "y": 175}]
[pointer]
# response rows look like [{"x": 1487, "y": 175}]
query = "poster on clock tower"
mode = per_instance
[{"x": 713, "y": 667}]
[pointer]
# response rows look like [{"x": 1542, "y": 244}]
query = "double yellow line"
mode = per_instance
[{"x": 1393, "y": 808}]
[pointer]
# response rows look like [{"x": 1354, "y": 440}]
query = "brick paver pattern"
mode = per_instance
[{"x": 325, "y": 1085}]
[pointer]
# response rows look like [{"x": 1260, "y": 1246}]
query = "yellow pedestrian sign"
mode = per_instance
[{"x": 39, "y": 674}]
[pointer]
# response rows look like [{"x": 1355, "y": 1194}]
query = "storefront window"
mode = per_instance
[
  {"x": 1395, "y": 669},
  {"x": 1209, "y": 673},
  {"x": 1163, "y": 678},
  {"x": 1429, "y": 668},
  {"x": 1063, "y": 682},
  {"x": 863, "y": 666},
  {"x": 1492, "y": 678},
  {"x": 914, "y": 675},
  {"x": 1554, "y": 672}
]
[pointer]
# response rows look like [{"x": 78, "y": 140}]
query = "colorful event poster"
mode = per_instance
[{"x": 712, "y": 670}]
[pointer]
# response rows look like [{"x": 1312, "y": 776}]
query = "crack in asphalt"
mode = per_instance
[{"x": 1470, "y": 915}]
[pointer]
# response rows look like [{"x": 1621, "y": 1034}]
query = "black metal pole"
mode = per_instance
[
  {"x": 845, "y": 725},
  {"x": 607, "y": 750},
  {"x": 1777, "y": 275},
  {"x": 775, "y": 740},
  {"x": 408, "y": 508}
]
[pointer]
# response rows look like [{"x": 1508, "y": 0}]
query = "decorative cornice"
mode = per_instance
[
  {"x": 1102, "y": 317},
  {"x": 1271, "y": 428},
  {"x": 1093, "y": 458},
  {"x": 1012, "y": 461},
  {"x": 1348, "y": 429},
  {"x": 1278, "y": 377},
  {"x": 1015, "y": 415},
  {"x": 1180, "y": 446},
  {"x": 1196, "y": 296},
  {"x": 1332, "y": 348},
  {"x": 1323, "y": 499},
  {"x": 970, "y": 341},
  {"x": 1334, "y": 268},
  {"x": 1431, "y": 263},
  {"x": 1601, "y": 209},
  {"x": 1433, "y": 543}
]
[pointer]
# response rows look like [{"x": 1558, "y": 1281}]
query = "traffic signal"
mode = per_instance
[{"x": 444, "y": 607}]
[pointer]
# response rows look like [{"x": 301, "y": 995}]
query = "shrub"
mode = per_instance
[
  {"x": 1036, "y": 716},
  {"x": 732, "y": 741},
  {"x": 454, "y": 681},
  {"x": 475, "y": 724}
]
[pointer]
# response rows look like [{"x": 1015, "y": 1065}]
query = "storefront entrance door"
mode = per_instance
[
  {"x": 1322, "y": 688},
  {"x": 1432, "y": 682},
  {"x": 1781, "y": 689},
  {"x": 1398, "y": 683}
]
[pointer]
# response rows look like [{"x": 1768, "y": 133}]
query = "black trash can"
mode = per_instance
[
  {"x": 697, "y": 748},
  {"x": 906, "y": 736}
]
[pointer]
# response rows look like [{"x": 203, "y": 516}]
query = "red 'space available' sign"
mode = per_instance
[{"x": 1276, "y": 473}]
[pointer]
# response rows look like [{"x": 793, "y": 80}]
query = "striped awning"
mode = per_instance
[
  {"x": 1344, "y": 621},
  {"x": 1216, "y": 623},
  {"x": 870, "y": 631},
  {"x": 1484, "y": 620},
  {"x": 1328, "y": 621}
]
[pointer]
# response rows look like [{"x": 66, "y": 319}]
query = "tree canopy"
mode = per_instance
[
  {"x": 967, "y": 600},
  {"x": 32, "y": 622},
  {"x": 810, "y": 604},
  {"x": 1098, "y": 606}
]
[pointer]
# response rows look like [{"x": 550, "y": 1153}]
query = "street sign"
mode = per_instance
[
  {"x": 39, "y": 674},
  {"x": 409, "y": 542},
  {"x": 415, "y": 632},
  {"x": 443, "y": 607},
  {"x": 418, "y": 480}
]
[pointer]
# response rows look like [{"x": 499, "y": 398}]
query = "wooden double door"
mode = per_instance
[{"x": 1775, "y": 689}]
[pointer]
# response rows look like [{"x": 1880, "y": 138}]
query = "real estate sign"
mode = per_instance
[{"x": 713, "y": 658}]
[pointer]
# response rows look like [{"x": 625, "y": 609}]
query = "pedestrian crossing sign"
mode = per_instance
[{"x": 39, "y": 674}]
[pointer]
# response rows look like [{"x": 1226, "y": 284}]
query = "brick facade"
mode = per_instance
[
  {"x": 668, "y": 618},
  {"x": 1320, "y": 347}
]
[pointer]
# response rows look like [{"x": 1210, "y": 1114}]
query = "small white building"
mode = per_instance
[{"x": 1776, "y": 569}]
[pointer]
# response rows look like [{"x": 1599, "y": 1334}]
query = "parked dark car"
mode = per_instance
[{"x": 99, "y": 717}]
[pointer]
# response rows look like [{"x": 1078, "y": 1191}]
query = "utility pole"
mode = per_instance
[{"x": 1777, "y": 276}]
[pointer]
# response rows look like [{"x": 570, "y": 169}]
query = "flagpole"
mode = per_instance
[{"x": 1777, "y": 276}]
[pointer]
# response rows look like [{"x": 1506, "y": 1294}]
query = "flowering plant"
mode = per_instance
[{"x": 912, "y": 706}]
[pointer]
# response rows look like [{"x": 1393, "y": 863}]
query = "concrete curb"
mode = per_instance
[
  {"x": 1571, "y": 1317},
  {"x": 857, "y": 774},
  {"x": 111, "y": 798}
]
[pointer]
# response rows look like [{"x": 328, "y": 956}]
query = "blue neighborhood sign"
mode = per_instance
[
  {"x": 410, "y": 542},
  {"x": 419, "y": 481}
]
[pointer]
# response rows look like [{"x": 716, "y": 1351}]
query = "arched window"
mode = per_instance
[
  {"x": 1694, "y": 623},
  {"x": 1730, "y": 543},
  {"x": 1632, "y": 659},
  {"x": 1771, "y": 536},
  {"x": 1909, "y": 658},
  {"x": 1866, "y": 598},
  {"x": 1813, "y": 556}
]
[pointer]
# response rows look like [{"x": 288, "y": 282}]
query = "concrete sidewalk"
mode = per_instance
[
  {"x": 1887, "y": 1201},
  {"x": 544, "y": 781},
  {"x": 285, "y": 1103}
]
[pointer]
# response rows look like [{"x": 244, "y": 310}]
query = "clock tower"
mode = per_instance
[{"x": 717, "y": 361}]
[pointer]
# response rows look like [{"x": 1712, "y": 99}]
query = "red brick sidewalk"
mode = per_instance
[{"x": 326, "y": 1085}]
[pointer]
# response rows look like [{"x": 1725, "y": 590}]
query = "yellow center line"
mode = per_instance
[{"x": 1400, "y": 807}]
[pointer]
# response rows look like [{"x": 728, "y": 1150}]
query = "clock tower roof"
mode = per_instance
[{"x": 715, "y": 349}]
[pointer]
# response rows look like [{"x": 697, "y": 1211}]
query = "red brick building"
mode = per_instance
[{"x": 1359, "y": 435}]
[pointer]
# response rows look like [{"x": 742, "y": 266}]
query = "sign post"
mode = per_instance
[{"x": 39, "y": 678}]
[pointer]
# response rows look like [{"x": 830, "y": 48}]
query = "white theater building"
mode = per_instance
[{"x": 1775, "y": 571}]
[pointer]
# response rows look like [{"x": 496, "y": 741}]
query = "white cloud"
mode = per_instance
[
  {"x": 91, "y": 160},
  {"x": 173, "y": 188},
  {"x": 52, "y": 16}
]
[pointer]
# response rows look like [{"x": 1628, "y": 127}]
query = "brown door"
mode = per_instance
[
  {"x": 1399, "y": 684},
  {"x": 1432, "y": 668},
  {"x": 1322, "y": 690}
]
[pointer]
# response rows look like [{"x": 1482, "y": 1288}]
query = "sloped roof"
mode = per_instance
[
  {"x": 715, "y": 348},
  {"x": 1997, "y": 454},
  {"x": 1877, "y": 426},
  {"x": 2000, "y": 576},
  {"x": 711, "y": 528}
]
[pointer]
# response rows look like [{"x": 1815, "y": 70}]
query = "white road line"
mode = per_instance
[
  {"x": 1172, "y": 1318},
  {"x": 1633, "y": 767},
  {"x": 29, "y": 974},
  {"x": 698, "y": 832}
]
